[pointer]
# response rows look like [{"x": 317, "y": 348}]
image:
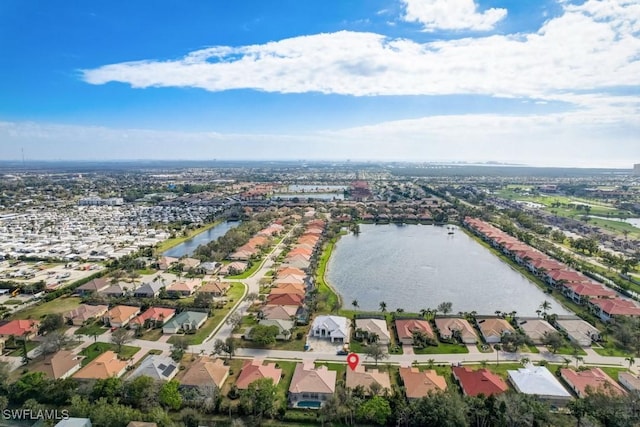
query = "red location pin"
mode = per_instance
[{"x": 353, "y": 360}]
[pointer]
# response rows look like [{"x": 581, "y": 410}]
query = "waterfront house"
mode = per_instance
[
  {"x": 590, "y": 380},
  {"x": 289, "y": 288},
  {"x": 406, "y": 327},
  {"x": 630, "y": 381},
  {"x": 365, "y": 378},
  {"x": 104, "y": 366},
  {"x": 336, "y": 328},
  {"x": 285, "y": 299},
  {"x": 232, "y": 268},
  {"x": 480, "y": 381},
  {"x": 607, "y": 309},
  {"x": 290, "y": 271},
  {"x": 579, "y": 331},
  {"x": 582, "y": 292},
  {"x": 256, "y": 369},
  {"x": 366, "y": 328},
  {"x": 311, "y": 387},
  {"x": 185, "y": 321},
  {"x": 60, "y": 365},
  {"x": 493, "y": 329},
  {"x": 536, "y": 329},
  {"x": 85, "y": 313},
  {"x": 205, "y": 372},
  {"x": 166, "y": 262},
  {"x": 456, "y": 328},
  {"x": 160, "y": 368},
  {"x": 555, "y": 278},
  {"x": 418, "y": 384},
  {"x": 539, "y": 381},
  {"x": 120, "y": 315}
]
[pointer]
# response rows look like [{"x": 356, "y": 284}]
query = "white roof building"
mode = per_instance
[
  {"x": 336, "y": 328},
  {"x": 539, "y": 381}
]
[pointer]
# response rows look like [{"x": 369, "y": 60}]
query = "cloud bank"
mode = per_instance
[{"x": 451, "y": 15}]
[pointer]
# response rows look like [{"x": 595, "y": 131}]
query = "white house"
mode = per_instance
[{"x": 336, "y": 328}]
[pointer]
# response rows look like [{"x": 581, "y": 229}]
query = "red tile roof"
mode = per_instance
[
  {"x": 18, "y": 328},
  {"x": 478, "y": 382},
  {"x": 617, "y": 306},
  {"x": 405, "y": 327}
]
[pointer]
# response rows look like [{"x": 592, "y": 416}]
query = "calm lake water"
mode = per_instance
[
  {"x": 633, "y": 221},
  {"x": 419, "y": 266},
  {"x": 189, "y": 246}
]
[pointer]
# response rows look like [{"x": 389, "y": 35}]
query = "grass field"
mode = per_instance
[
  {"x": 152, "y": 334},
  {"x": 92, "y": 329},
  {"x": 96, "y": 349},
  {"x": 332, "y": 297},
  {"x": 18, "y": 350},
  {"x": 59, "y": 305},
  {"x": 442, "y": 348}
]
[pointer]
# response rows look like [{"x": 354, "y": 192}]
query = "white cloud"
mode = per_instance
[
  {"x": 590, "y": 47},
  {"x": 451, "y": 15}
]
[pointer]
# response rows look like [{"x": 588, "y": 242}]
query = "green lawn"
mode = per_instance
[
  {"x": 234, "y": 294},
  {"x": 567, "y": 350},
  {"x": 323, "y": 287},
  {"x": 340, "y": 368},
  {"x": 152, "y": 334},
  {"x": 18, "y": 350},
  {"x": 92, "y": 329},
  {"x": 249, "y": 272},
  {"x": 145, "y": 271},
  {"x": 58, "y": 305},
  {"x": 442, "y": 348},
  {"x": 610, "y": 350},
  {"x": 291, "y": 345},
  {"x": 500, "y": 369},
  {"x": 13, "y": 302},
  {"x": 96, "y": 349},
  {"x": 287, "y": 370}
]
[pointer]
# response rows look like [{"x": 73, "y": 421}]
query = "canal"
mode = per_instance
[{"x": 189, "y": 246}]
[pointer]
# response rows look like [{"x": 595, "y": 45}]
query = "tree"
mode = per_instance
[
  {"x": 445, "y": 308},
  {"x": 355, "y": 304},
  {"x": 545, "y": 307},
  {"x": 51, "y": 322},
  {"x": 203, "y": 300},
  {"x": 630, "y": 360},
  {"x": 264, "y": 335},
  {"x": 578, "y": 408},
  {"x": 227, "y": 346},
  {"x": 383, "y": 306},
  {"x": 120, "y": 337},
  {"x": 53, "y": 342},
  {"x": 376, "y": 352},
  {"x": 445, "y": 409},
  {"x": 169, "y": 395},
  {"x": 234, "y": 320},
  {"x": 375, "y": 410},
  {"x": 260, "y": 398},
  {"x": 107, "y": 388},
  {"x": 141, "y": 392},
  {"x": 179, "y": 347},
  {"x": 553, "y": 340}
]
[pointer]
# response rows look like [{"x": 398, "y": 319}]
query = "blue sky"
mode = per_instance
[{"x": 545, "y": 82}]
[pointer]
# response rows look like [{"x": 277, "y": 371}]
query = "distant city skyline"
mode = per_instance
[{"x": 545, "y": 83}]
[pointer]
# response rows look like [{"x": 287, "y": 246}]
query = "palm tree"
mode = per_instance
[
  {"x": 355, "y": 304},
  {"x": 425, "y": 311},
  {"x": 383, "y": 306},
  {"x": 631, "y": 360},
  {"x": 545, "y": 307},
  {"x": 498, "y": 347},
  {"x": 525, "y": 360}
]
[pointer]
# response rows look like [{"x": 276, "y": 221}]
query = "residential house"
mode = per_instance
[
  {"x": 583, "y": 292},
  {"x": 166, "y": 262},
  {"x": 297, "y": 261},
  {"x": 256, "y": 369},
  {"x": 244, "y": 253},
  {"x": 233, "y": 268},
  {"x": 184, "y": 288},
  {"x": 361, "y": 377},
  {"x": 74, "y": 422},
  {"x": 378, "y": 327},
  {"x": 290, "y": 279},
  {"x": 85, "y": 313},
  {"x": 607, "y": 309},
  {"x": 189, "y": 263},
  {"x": 148, "y": 290},
  {"x": 480, "y": 381},
  {"x": 539, "y": 381},
  {"x": 557, "y": 277},
  {"x": 215, "y": 289},
  {"x": 120, "y": 315},
  {"x": 116, "y": 290},
  {"x": 285, "y": 299},
  {"x": 60, "y": 365},
  {"x": 630, "y": 381},
  {"x": 590, "y": 380},
  {"x": 185, "y": 321},
  {"x": 20, "y": 329},
  {"x": 204, "y": 372},
  {"x": 160, "y": 368},
  {"x": 92, "y": 287},
  {"x": 418, "y": 384},
  {"x": 284, "y": 328},
  {"x": 104, "y": 366},
  {"x": 311, "y": 387},
  {"x": 336, "y": 328},
  {"x": 579, "y": 331},
  {"x": 406, "y": 327},
  {"x": 281, "y": 312},
  {"x": 289, "y": 288},
  {"x": 456, "y": 328},
  {"x": 153, "y": 317},
  {"x": 493, "y": 329},
  {"x": 536, "y": 329},
  {"x": 290, "y": 271},
  {"x": 208, "y": 267}
]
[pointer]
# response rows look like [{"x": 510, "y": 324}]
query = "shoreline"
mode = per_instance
[{"x": 321, "y": 273}]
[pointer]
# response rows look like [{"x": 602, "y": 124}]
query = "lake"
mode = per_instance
[
  {"x": 633, "y": 221},
  {"x": 189, "y": 246},
  {"x": 419, "y": 266}
]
